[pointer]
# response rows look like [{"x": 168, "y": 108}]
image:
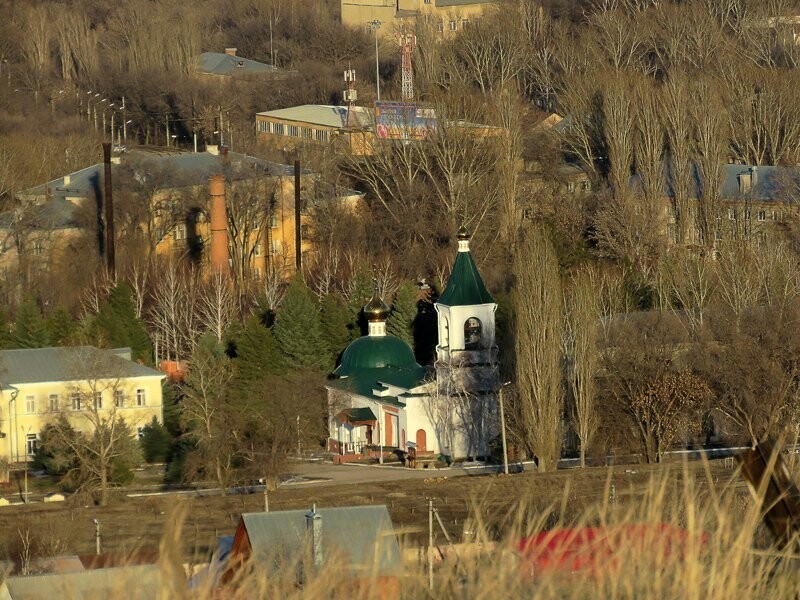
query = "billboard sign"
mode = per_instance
[{"x": 404, "y": 120}]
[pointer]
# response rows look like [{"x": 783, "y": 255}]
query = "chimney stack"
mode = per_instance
[
  {"x": 314, "y": 527},
  {"x": 219, "y": 225},
  {"x": 108, "y": 203},
  {"x": 230, "y": 51},
  {"x": 754, "y": 175}
]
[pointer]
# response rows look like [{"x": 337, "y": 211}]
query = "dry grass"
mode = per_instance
[{"x": 735, "y": 561}]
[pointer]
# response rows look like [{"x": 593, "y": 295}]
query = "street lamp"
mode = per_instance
[
  {"x": 374, "y": 25},
  {"x": 503, "y": 427}
]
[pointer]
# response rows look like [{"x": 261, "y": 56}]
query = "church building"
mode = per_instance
[{"x": 379, "y": 397}]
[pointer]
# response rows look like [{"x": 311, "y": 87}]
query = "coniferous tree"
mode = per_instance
[
  {"x": 61, "y": 326},
  {"x": 360, "y": 290},
  {"x": 5, "y": 331},
  {"x": 404, "y": 313},
  {"x": 30, "y": 328},
  {"x": 116, "y": 325},
  {"x": 298, "y": 329},
  {"x": 258, "y": 356},
  {"x": 336, "y": 324}
]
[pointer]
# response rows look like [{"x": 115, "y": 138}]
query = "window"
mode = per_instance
[
  {"x": 586, "y": 185},
  {"x": 321, "y": 135},
  {"x": 180, "y": 231},
  {"x": 472, "y": 333},
  {"x": 731, "y": 214},
  {"x": 140, "y": 397},
  {"x": 278, "y": 128},
  {"x": 98, "y": 400},
  {"x": 256, "y": 223},
  {"x": 292, "y": 131},
  {"x": 464, "y": 23},
  {"x": 762, "y": 215},
  {"x": 263, "y": 127},
  {"x": 306, "y": 132},
  {"x": 570, "y": 186},
  {"x": 453, "y": 25},
  {"x": 37, "y": 248},
  {"x": 440, "y": 27},
  {"x": 446, "y": 333},
  {"x": 775, "y": 215},
  {"x": 256, "y": 273},
  {"x": 427, "y": 1},
  {"x": 257, "y": 250},
  {"x": 273, "y": 221},
  {"x": 53, "y": 402},
  {"x": 30, "y": 405},
  {"x": 30, "y": 443},
  {"x": 276, "y": 247},
  {"x": 75, "y": 399},
  {"x": 119, "y": 398}
]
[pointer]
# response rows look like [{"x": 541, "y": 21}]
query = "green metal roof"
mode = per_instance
[
  {"x": 465, "y": 286},
  {"x": 360, "y": 415},
  {"x": 359, "y": 538},
  {"x": 376, "y": 352}
]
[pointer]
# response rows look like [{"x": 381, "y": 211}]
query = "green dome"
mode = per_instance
[{"x": 376, "y": 352}]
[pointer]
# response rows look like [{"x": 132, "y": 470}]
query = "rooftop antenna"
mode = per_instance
[
  {"x": 350, "y": 96},
  {"x": 408, "y": 41}
]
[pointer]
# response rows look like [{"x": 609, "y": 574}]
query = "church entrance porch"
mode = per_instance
[{"x": 354, "y": 429}]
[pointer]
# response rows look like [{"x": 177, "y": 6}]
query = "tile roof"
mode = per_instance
[
  {"x": 220, "y": 63},
  {"x": 320, "y": 114},
  {"x": 41, "y": 365},
  {"x": 361, "y": 538}
]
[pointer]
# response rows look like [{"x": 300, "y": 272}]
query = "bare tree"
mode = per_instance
[
  {"x": 582, "y": 309},
  {"x": 539, "y": 323},
  {"x": 217, "y": 305}
]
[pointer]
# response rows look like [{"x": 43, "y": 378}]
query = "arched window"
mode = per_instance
[
  {"x": 472, "y": 333},
  {"x": 445, "y": 334}
]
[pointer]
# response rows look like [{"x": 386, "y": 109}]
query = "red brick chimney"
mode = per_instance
[
  {"x": 230, "y": 51},
  {"x": 219, "y": 225}
]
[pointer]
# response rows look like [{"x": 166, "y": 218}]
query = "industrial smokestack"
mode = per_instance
[
  {"x": 108, "y": 202},
  {"x": 219, "y": 225}
]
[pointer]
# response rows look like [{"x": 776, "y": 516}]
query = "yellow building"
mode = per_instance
[
  {"x": 83, "y": 383},
  {"x": 450, "y": 16}
]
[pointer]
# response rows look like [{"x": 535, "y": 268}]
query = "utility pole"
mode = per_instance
[
  {"x": 266, "y": 496},
  {"x": 375, "y": 25},
  {"x": 430, "y": 544},
  {"x": 503, "y": 428},
  {"x": 96, "y": 536},
  {"x": 167, "y": 126},
  {"x": 299, "y": 454},
  {"x": 124, "y": 123},
  {"x": 298, "y": 256},
  {"x": 220, "y": 125}
]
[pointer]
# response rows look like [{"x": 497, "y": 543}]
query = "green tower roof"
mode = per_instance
[{"x": 465, "y": 286}]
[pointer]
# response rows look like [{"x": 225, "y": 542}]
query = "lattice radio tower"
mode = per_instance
[
  {"x": 408, "y": 41},
  {"x": 350, "y": 96}
]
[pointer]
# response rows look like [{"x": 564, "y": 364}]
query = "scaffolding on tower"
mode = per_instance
[
  {"x": 350, "y": 96},
  {"x": 408, "y": 41}
]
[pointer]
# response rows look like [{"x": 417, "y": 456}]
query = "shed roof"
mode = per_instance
[
  {"x": 42, "y": 365},
  {"x": 141, "y": 582},
  {"x": 220, "y": 63},
  {"x": 361, "y": 538},
  {"x": 320, "y": 114}
]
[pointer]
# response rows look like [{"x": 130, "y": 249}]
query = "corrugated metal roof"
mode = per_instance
[
  {"x": 41, "y": 365},
  {"x": 219, "y": 63},
  {"x": 465, "y": 286},
  {"x": 320, "y": 114},
  {"x": 360, "y": 538},
  {"x": 141, "y": 582}
]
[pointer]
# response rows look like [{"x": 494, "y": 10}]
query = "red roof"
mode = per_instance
[{"x": 596, "y": 548}]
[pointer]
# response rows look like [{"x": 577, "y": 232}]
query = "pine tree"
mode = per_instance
[
  {"x": 61, "y": 326},
  {"x": 404, "y": 313},
  {"x": 257, "y": 353},
  {"x": 359, "y": 292},
  {"x": 116, "y": 325},
  {"x": 30, "y": 328},
  {"x": 298, "y": 329},
  {"x": 336, "y": 321},
  {"x": 5, "y": 331}
]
